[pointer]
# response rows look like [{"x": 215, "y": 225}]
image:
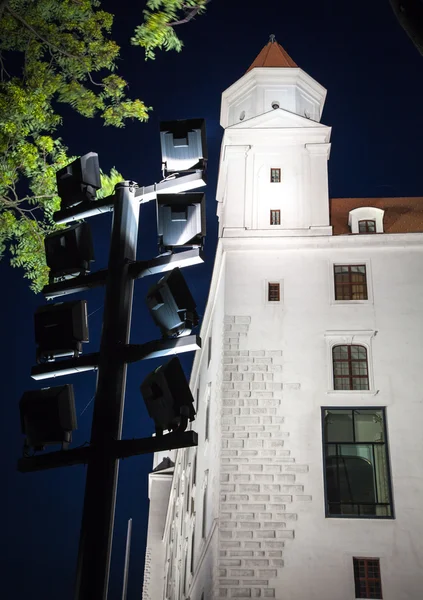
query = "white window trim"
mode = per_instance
[
  {"x": 266, "y": 291},
  {"x": 369, "y": 278},
  {"x": 366, "y": 213},
  {"x": 359, "y": 337}
]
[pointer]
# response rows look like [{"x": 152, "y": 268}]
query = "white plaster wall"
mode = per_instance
[
  {"x": 323, "y": 548},
  {"x": 255, "y": 92},
  {"x": 301, "y": 196}
]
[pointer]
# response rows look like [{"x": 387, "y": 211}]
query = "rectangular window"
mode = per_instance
[
  {"x": 368, "y": 583},
  {"x": 357, "y": 482},
  {"x": 209, "y": 351},
  {"x": 368, "y": 226},
  {"x": 275, "y": 175},
  {"x": 275, "y": 217},
  {"x": 274, "y": 292},
  {"x": 350, "y": 282},
  {"x": 192, "y": 551},
  {"x": 204, "y": 523},
  {"x": 207, "y": 417},
  {"x": 194, "y": 468},
  {"x": 350, "y": 368}
]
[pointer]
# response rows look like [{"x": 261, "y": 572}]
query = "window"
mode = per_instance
[
  {"x": 209, "y": 351},
  {"x": 192, "y": 561},
  {"x": 367, "y": 579},
  {"x": 366, "y": 214},
  {"x": 204, "y": 523},
  {"x": 350, "y": 370},
  {"x": 367, "y": 226},
  {"x": 350, "y": 282},
  {"x": 275, "y": 175},
  {"x": 194, "y": 468},
  {"x": 356, "y": 463},
  {"x": 275, "y": 217},
  {"x": 274, "y": 292},
  {"x": 207, "y": 417}
]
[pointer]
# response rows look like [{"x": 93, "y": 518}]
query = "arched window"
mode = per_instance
[
  {"x": 350, "y": 368},
  {"x": 369, "y": 217},
  {"x": 367, "y": 226}
]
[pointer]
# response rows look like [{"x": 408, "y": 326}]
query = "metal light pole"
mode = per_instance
[
  {"x": 106, "y": 447},
  {"x": 102, "y": 473}
]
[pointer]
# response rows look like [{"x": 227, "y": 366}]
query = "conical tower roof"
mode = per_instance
[{"x": 273, "y": 55}]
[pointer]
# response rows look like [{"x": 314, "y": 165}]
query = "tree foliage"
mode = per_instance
[
  {"x": 55, "y": 52},
  {"x": 160, "y": 19}
]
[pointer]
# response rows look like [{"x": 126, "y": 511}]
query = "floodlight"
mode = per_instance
[
  {"x": 168, "y": 398},
  {"x": 79, "y": 181},
  {"x": 181, "y": 220},
  {"x": 171, "y": 305},
  {"x": 183, "y": 145},
  {"x": 48, "y": 416},
  {"x": 61, "y": 329},
  {"x": 69, "y": 252}
]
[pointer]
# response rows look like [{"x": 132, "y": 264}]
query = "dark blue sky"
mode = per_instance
[{"x": 374, "y": 78}]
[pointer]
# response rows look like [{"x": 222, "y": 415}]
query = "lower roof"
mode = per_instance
[{"x": 402, "y": 215}]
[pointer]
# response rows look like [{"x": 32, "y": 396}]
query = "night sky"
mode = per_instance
[{"x": 374, "y": 78}]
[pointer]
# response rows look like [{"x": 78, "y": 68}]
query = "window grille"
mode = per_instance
[
  {"x": 367, "y": 578},
  {"x": 350, "y": 282},
  {"x": 350, "y": 367},
  {"x": 357, "y": 482},
  {"x": 275, "y": 217},
  {"x": 367, "y": 226},
  {"x": 275, "y": 175},
  {"x": 274, "y": 292}
]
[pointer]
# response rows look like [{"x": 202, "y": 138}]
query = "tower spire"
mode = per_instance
[{"x": 273, "y": 55}]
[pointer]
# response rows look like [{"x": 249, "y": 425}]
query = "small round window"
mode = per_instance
[
  {"x": 242, "y": 116},
  {"x": 275, "y": 104}
]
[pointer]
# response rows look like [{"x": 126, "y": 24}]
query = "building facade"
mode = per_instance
[{"x": 307, "y": 482}]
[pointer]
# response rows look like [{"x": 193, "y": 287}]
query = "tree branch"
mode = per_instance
[
  {"x": 39, "y": 36},
  {"x": 189, "y": 15},
  {"x": 3, "y": 4}
]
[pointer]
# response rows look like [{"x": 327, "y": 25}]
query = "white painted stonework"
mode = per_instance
[{"x": 243, "y": 515}]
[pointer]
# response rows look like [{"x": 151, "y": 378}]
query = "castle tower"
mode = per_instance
[{"x": 307, "y": 481}]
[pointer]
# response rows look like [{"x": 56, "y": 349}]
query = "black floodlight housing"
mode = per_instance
[
  {"x": 184, "y": 146},
  {"x": 60, "y": 329},
  {"x": 168, "y": 398},
  {"x": 69, "y": 252},
  {"x": 79, "y": 181},
  {"x": 181, "y": 220},
  {"x": 48, "y": 416},
  {"x": 171, "y": 305}
]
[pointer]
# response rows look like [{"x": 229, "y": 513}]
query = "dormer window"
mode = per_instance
[
  {"x": 366, "y": 219},
  {"x": 275, "y": 175},
  {"x": 367, "y": 226}
]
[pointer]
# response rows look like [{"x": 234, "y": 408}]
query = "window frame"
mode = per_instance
[
  {"x": 358, "y": 579},
  {"x": 350, "y": 360},
  {"x": 277, "y": 214},
  {"x": 355, "y": 338},
  {"x": 350, "y": 284},
  {"x": 279, "y": 174},
  {"x": 273, "y": 283},
  {"x": 347, "y": 263},
  {"x": 366, "y": 230},
  {"x": 205, "y": 503},
  {"x": 388, "y": 465}
]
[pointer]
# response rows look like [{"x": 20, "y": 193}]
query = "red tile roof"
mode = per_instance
[
  {"x": 402, "y": 215},
  {"x": 273, "y": 55}
]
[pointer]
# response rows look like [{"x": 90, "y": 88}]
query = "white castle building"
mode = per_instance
[{"x": 307, "y": 483}]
